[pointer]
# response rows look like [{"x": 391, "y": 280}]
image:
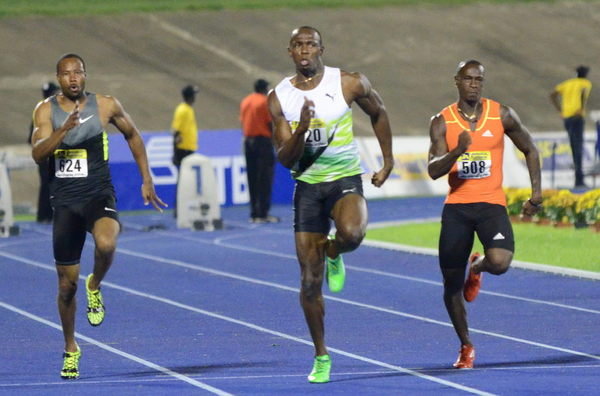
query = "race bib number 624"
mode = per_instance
[{"x": 70, "y": 163}]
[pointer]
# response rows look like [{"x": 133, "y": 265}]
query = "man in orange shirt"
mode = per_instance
[
  {"x": 467, "y": 144},
  {"x": 258, "y": 149}
]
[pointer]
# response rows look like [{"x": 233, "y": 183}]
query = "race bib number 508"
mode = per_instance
[
  {"x": 70, "y": 163},
  {"x": 474, "y": 165}
]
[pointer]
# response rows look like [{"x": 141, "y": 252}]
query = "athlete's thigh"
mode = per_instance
[
  {"x": 456, "y": 237},
  {"x": 68, "y": 235},
  {"x": 103, "y": 208},
  {"x": 348, "y": 207},
  {"x": 309, "y": 209},
  {"x": 350, "y": 212},
  {"x": 494, "y": 229}
]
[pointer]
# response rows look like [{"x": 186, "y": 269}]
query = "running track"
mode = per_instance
[{"x": 218, "y": 313}]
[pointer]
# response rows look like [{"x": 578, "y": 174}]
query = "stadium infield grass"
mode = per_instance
[
  {"x": 542, "y": 244},
  {"x": 12, "y": 8}
]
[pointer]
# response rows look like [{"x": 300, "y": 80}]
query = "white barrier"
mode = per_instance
[
  {"x": 7, "y": 227},
  {"x": 197, "y": 195}
]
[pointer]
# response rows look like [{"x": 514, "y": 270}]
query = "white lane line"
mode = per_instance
[
  {"x": 162, "y": 378},
  {"x": 230, "y": 320},
  {"x": 211, "y": 271},
  {"x": 222, "y": 242},
  {"x": 126, "y": 355},
  {"x": 344, "y": 301}
]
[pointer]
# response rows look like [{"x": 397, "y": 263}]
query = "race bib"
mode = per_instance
[
  {"x": 316, "y": 136},
  {"x": 474, "y": 165},
  {"x": 70, "y": 163}
]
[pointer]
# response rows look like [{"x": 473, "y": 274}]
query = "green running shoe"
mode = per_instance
[
  {"x": 321, "y": 369},
  {"x": 95, "y": 306},
  {"x": 70, "y": 368},
  {"x": 336, "y": 273}
]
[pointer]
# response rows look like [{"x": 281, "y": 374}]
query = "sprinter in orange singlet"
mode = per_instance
[{"x": 467, "y": 144}]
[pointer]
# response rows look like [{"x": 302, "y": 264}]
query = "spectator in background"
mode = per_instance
[
  {"x": 44, "y": 209},
  {"x": 258, "y": 149},
  {"x": 570, "y": 97},
  {"x": 185, "y": 131}
]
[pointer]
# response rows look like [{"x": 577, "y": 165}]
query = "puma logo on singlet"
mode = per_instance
[{"x": 330, "y": 96}]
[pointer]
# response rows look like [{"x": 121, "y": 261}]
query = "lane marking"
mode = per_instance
[
  {"x": 116, "y": 351},
  {"x": 227, "y": 319},
  {"x": 295, "y": 290}
]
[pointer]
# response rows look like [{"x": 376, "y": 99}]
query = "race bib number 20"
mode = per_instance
[
  {"x": 474, "y": 165},
  {"x": 70, "y": 163}
]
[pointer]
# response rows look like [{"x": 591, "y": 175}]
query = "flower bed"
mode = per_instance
[{"x": 559, "y": 207}]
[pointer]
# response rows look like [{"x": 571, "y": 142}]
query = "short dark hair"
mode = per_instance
[
  {"x": 261, "y": 85},
  {"x": 464, "y": 63},
  {"x": 306, "y": 27},
  {"x": 70, "y": 55},
  {"x": 189, "y": 91},
  {"x": 582, "y": 71}
]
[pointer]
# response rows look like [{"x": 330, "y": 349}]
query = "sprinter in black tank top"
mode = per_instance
[{"x": 69, "y": 130}]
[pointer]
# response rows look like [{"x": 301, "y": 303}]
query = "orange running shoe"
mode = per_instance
[
  {"x": 466, "y": 356},
  {"x": 473, "y": 282}
]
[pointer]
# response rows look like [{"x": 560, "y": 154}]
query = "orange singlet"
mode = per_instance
[{"x": 477, "y": 174}]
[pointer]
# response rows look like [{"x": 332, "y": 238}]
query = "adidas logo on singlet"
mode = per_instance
[{"x": 487, "y": 133}]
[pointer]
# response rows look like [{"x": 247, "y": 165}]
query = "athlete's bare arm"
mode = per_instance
[
  {"x": 289, "y": 146},
  {"x": 45, "y": 139},
  {"x": 357, "y": 88},
  {"x": 520, "y": 136},
  {"x": 441, "y": 159},
  {"x": 112, "y": 108}
]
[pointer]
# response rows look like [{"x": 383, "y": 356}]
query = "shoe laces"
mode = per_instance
[
  {"x": 320, "y": 365},
  {"x": 95, "y": 300},
  {"x": 71, "y": 360},
  {"x": 334, "y": 266}
]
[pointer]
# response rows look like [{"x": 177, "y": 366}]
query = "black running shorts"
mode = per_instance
[
  {"x": 313, "y": 202},
  {"x": 460, "y": 222},
  {"x": 71, "y": 223}
]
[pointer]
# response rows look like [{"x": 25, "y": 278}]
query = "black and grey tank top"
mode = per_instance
[{"x": 79, "y": 168}]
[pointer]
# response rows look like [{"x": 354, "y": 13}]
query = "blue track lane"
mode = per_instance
[{"x": 218, "y": 313}]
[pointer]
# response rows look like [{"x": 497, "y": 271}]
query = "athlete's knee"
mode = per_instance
[
  {"x": 66, "y": 289},
  {"x": 497, "y": 263},
  {"x": 350, "y": 238},
  {"x": 311, "y": 284},
  {"x": 311, "y": 288},
  {"x": 106, "y": 245},
  {"x": 452, "y": 287}
]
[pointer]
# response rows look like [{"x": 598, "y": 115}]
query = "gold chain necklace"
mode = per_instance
[
  {"x": 309, "y": 79},
  {"x": 472, "y": 117}
]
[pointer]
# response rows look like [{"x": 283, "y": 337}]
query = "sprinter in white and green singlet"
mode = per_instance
[{"x": 312, "y": 118}]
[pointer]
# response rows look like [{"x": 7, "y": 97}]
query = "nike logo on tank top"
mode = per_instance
[
  {"x": 330, "y": 129},
  {"x": 79, "y": 165}
]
